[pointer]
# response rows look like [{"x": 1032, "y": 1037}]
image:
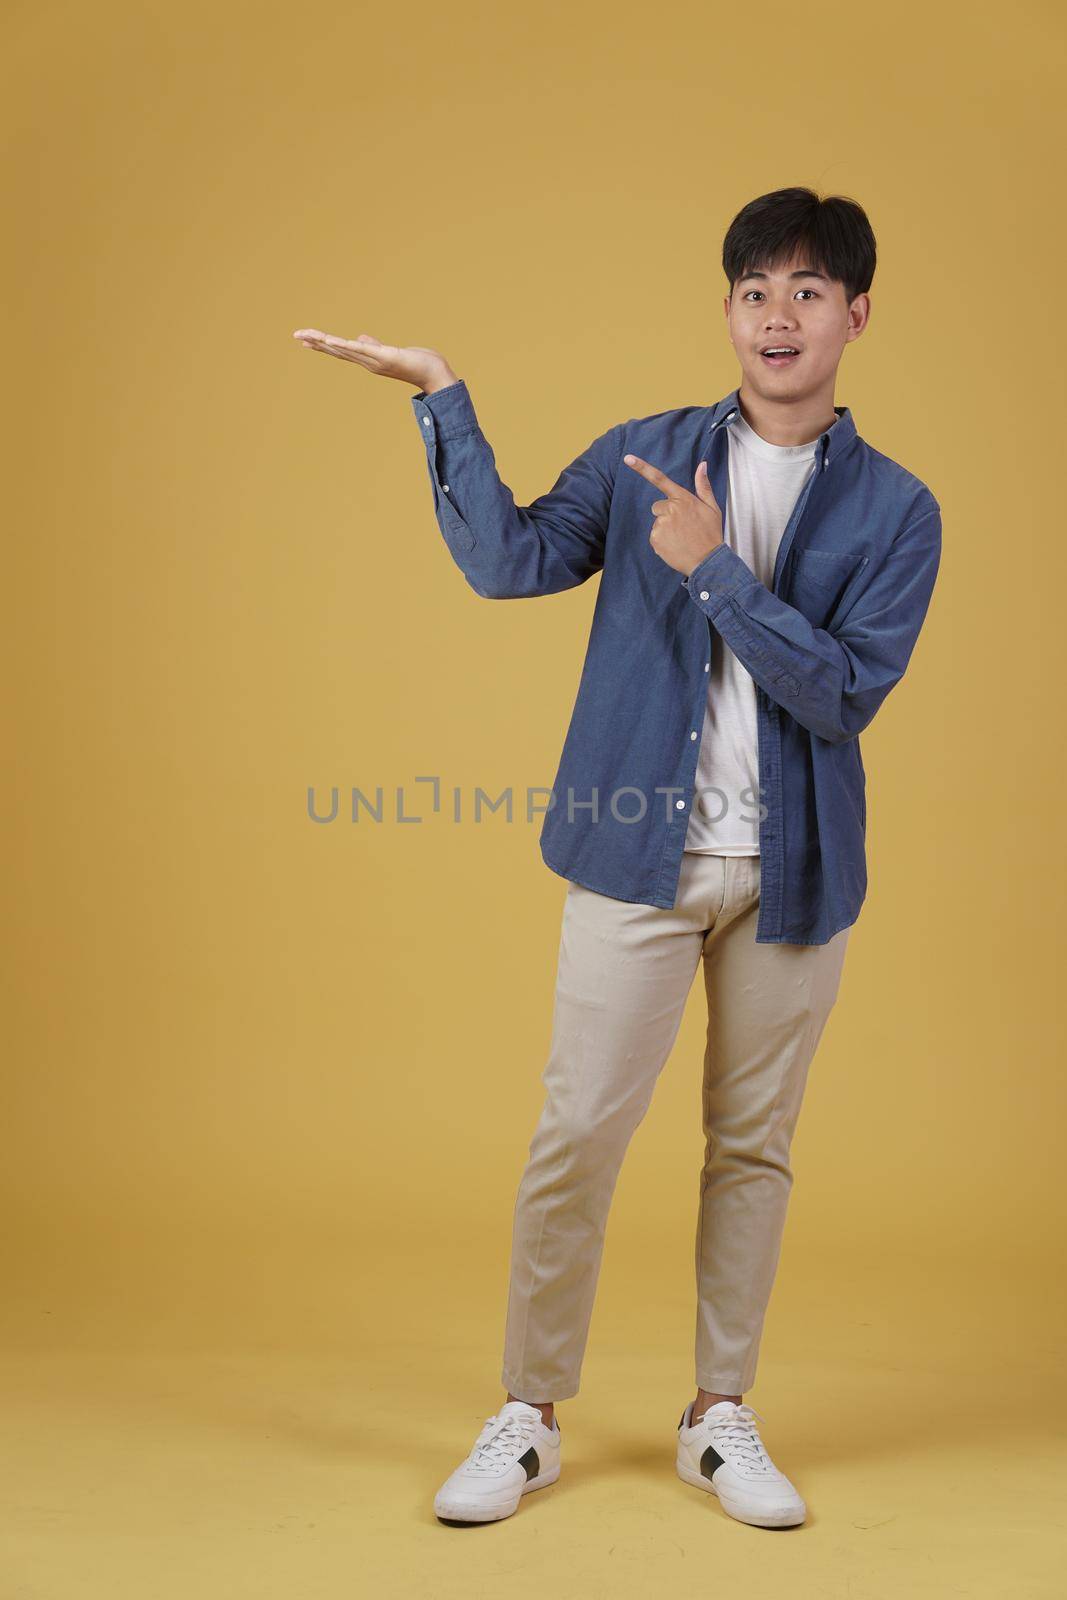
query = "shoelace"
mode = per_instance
[
  {"x": 739, "y": 1432},
  {"x": 498, "y": 1439}
]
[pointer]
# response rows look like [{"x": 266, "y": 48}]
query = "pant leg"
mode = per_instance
[
  {"x": 624, "y": 974},
  {"x": 767, "y": 1007}
]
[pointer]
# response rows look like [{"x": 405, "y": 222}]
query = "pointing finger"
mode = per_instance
[{"x": 671, "y": 489}]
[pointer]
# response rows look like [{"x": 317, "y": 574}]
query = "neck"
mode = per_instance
[{"x": 788, "y": 420}]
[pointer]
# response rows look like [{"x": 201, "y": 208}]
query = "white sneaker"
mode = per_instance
[
  {"x": 513, "y": 1454},
  {"x": 725, "y": 1455}
]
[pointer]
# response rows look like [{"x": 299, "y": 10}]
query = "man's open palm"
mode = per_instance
[{"x": 410, "y": 363}]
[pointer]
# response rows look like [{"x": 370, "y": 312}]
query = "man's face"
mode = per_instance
[{"x": 792, "y": 305}]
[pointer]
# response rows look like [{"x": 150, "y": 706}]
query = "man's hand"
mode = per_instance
[
  {"x": 426, "y": 369},
  {"x": 688, "y": 526}
]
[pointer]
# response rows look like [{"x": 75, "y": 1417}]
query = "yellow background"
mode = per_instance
[{"x": 270, "y": 1085}]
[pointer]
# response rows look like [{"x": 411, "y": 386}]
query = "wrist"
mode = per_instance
[
  {"x": 709, "y": 552},
  {"x": 440, "y": 378}
]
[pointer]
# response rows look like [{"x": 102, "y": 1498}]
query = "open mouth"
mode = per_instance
[{"x": 782, "y": 356}]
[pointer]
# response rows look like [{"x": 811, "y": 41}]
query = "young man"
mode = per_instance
[{"x": 765, "y": 575}]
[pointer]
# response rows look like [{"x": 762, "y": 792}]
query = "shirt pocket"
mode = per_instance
[{"x": 818, "y": 580}]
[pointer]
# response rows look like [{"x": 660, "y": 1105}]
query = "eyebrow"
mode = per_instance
[{"x": 801, "y": 272}]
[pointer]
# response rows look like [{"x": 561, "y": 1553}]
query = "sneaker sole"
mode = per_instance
[
  {"x": 487, "y": 1511},
  {"x": 758, "y": 1519}
]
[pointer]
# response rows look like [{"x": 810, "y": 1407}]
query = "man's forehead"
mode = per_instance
[{"x": 796, "y": 267}]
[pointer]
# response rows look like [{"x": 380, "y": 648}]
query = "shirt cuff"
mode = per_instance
[
  {"x": 721, "y": 573},
  {"x": 446, "y": 413}
]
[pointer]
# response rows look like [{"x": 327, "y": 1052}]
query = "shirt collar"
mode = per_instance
[{"x": 832, "y": 440}]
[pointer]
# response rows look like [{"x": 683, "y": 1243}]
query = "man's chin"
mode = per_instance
[{"x": 783, "y": 384}]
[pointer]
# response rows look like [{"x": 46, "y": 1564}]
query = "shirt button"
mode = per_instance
[
  {"x": 692, "y": 735},
  {"x": 444, "y": 486},
  {"x": 704, "y": 595},
  {"x": 679, "y": 805},
  {"x": 707, "y": 666},
  {"x": 426, "y": 422}
]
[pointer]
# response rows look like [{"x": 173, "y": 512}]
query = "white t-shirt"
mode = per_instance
[{"x": 765, "y": 481}]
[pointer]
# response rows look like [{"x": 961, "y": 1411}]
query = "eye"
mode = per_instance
[{"x": 799, "y": 291}]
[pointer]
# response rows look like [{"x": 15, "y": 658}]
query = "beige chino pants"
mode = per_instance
[{"x": 624, "y": 974}]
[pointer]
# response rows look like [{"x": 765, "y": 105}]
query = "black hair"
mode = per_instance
[{"x": 833, "y": 233}]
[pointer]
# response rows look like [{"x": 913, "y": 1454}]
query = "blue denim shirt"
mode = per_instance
[{"x": 825, "y": 643}]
